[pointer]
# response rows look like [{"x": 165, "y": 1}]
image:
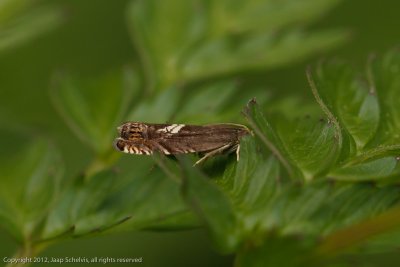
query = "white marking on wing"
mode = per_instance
[
  {"x": 126, "y": 149},
  {"x": 162, "y": 130},
  {"x": 173, "y": 128},
  {"x": 177, "y": 128},
  {"x": 167, "y": 129}
]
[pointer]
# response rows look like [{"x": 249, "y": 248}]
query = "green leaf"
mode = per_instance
[
  {"x": 31, "y": 178},
  {"x": 139, "y": 196},
  {"x": 268, "y": 135},
  {"x": 18, "y": 25},
  {"x": 384, "y": 74},
  {"x": 261, "y": 209},
  {"x": 307, "y": 141},
  {"x": 365, "y": 117},
  {"x": 76, "y": 202},
  {"x": 182, "y": 42},
  {"x": 201, "y": 106},
  {"x": 223, "y": 56},
  {"x": 350, "y": 99},
  {"x": 262, "y": 15},
  {"x": 372, "y": 170},
  {"x": 313, "y": 209},
  {"x": 208, "y": 104},
  {"x": 153, "y": 200},
  {"x": 94, "y": 108},
  {"x": 251, "y": 183},
  {"x": 212, "y": 206},
  {"x": 158, "y": 108},
  {"x": 325, "y": 96},
  {"x": 163, "y": 32}
]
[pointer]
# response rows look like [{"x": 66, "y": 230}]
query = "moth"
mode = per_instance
[{"x": 172, "y": 139}]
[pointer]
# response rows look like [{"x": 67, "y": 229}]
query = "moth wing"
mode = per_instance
[{"x": 192, "y": 138}]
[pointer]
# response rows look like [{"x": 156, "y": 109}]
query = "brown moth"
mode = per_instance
[{"x": 172, "y": 139}]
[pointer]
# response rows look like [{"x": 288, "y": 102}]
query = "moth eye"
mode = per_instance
[{"x": 120, "y": 145}]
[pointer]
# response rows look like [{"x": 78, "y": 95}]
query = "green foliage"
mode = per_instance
[
  {"x": 20, "y": 21},
  {"x": 302, "y": 185},
  {"x": 83, "y": 105},
  {"x": 184, "y": 41},
  {"x": 31, "y": 177},
  {"x": 359, "y": 108}
]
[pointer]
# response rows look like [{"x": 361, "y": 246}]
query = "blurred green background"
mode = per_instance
[{"x": 93, "y": 40}]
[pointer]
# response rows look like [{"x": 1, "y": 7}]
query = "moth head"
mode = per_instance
[{"x": 132, "y": 131}]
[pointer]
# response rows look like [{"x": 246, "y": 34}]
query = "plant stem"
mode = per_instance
[{"x": 356, "y": 234}]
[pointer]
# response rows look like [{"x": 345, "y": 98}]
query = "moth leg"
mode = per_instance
[
  {"x": 235, "y": 148},
  {"x": 212, "y": 153}
]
